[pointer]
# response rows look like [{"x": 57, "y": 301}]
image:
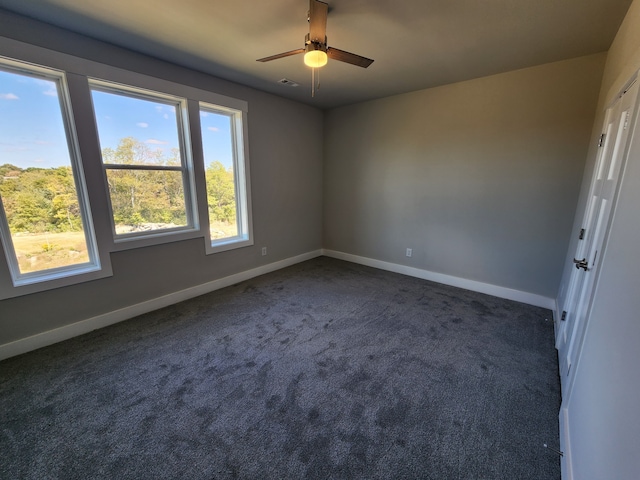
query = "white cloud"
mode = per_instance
[
  {"x": 51, "y": 92},
  {"x": 166, "y": 116},
  {"x": 142, "y": 124},
  {"x": 213, "y": 129},
  {"x": 9, "y": 147},
  {"x": 8, "y": 96},
  {"x": 165, "y": 111},
  {"x": 153, "y": 141}
]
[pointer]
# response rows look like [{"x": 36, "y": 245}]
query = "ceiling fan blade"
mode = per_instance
[
  {"x": 347, "y": 57},
  {"x": 318, "y": 21},
  {"x": 281, "y": 55}
]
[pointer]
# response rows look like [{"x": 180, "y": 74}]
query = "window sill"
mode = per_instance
[
  {"x": 42, "y": 283},
  {"x": 227, "y": 244},
  {"x": 150, "y": 239}
]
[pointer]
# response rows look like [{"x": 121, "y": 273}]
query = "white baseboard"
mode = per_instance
[
  {"x": 84, "y": 326},
  {"x": 473, "y": 285},
  {"x": 565, "y": 445},
  {"x": 557, "y": 323}
]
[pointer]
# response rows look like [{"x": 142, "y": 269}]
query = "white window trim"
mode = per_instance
[
  {"x": 98, "y": 265},
  {"x": 192, "y": 229},
  {"x": 78, "y": 71},
  {"x": 241, "y": 181},
  {"x": 194, "y": 96}
]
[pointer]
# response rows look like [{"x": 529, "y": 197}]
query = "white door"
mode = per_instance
[{"x": 612, "y": 149}]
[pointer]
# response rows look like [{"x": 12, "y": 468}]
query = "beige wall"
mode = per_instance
[
  {"x": 479, "y": 178},
  {"x": 286, "y": 190},
  {"x": 602, "y": 407}
]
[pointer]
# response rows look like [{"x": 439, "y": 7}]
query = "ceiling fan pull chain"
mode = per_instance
[{"x": 314, "y": 86}]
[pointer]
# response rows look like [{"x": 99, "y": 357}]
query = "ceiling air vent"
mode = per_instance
[{"x": 289, "y": 83}]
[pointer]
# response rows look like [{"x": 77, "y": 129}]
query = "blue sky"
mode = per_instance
[
  {"x": 32, "y": 132},
  {"x": 31, "y": 127},
  {"x": 216, "y": 138}
]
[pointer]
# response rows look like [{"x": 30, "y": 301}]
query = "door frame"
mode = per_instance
[
  {"x": 567, "y": 381},
  {"x": 577, "y": 302}
]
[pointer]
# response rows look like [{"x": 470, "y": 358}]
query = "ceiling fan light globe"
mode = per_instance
[{"x": 315, "y": 58}]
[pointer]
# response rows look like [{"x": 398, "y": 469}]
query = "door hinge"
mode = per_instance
[
  {"x": 601, "y": 141},
  {"x": 626, "y": 120},
  {"x": 564, "y": 315},
  {"x": 581, "y": 264},
  {"x": 581, "y": 236}
]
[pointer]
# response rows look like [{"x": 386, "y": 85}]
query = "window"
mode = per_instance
[
  {"x": 225, "y": 175},
  {"x": 147, "y": 165},
  {"x": 45, "y": 226},
  {"x": 149, "y": 178}
]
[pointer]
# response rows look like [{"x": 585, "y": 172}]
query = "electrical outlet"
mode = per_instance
[
  {"x": 264, "y": 251},
  {"x": 409, "y": 252}
]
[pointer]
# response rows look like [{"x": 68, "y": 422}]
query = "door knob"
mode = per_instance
[{"x": 581, "y": 264}]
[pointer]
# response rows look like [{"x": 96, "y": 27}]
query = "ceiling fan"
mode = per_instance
[{"x": 315, "y": 48}]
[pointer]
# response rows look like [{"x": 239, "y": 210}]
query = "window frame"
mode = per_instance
[
  {"x": 239, "y": 148},
  {"x": 96, "y": 267},
  {"x": 125, "y": 241},
  {"x": 77, "y": 72}
]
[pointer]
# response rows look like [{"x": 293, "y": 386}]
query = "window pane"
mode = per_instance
[
  {"x": 135, "y": 131},
  {"x": 140, "y": 138},
  {"x": 37, "y": 183},
  {"x": 217, "y": 144},
  {"x": 144, "y": 200}
]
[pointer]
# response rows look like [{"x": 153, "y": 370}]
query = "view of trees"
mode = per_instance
[
  {"x": 221, "y": 193},
  {"x": 38, "y": 200},
  {"x": 144, "y": 196}
]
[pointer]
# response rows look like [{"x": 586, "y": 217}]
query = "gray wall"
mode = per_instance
[
  {"x": 602, "y": 406},
  {"x": 479, "y": 178},
  {"x": 286, "y": 184}
]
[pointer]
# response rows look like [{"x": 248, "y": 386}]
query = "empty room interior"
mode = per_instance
[{"x": 413, "y": 258}]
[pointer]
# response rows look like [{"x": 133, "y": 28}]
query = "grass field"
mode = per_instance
[
  {"x": 223, "y": 230},
  {"x": 37, "y": 252},
  {"x": 51, "y": 250}
]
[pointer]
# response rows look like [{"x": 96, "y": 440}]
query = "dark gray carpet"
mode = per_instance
[{"x": 326, "y": 369}]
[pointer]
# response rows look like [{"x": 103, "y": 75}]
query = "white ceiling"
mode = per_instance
[{"x": 416, "y": 44}]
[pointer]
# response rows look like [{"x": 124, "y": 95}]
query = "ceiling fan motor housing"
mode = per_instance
[{"x": 314, "y": 44}]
